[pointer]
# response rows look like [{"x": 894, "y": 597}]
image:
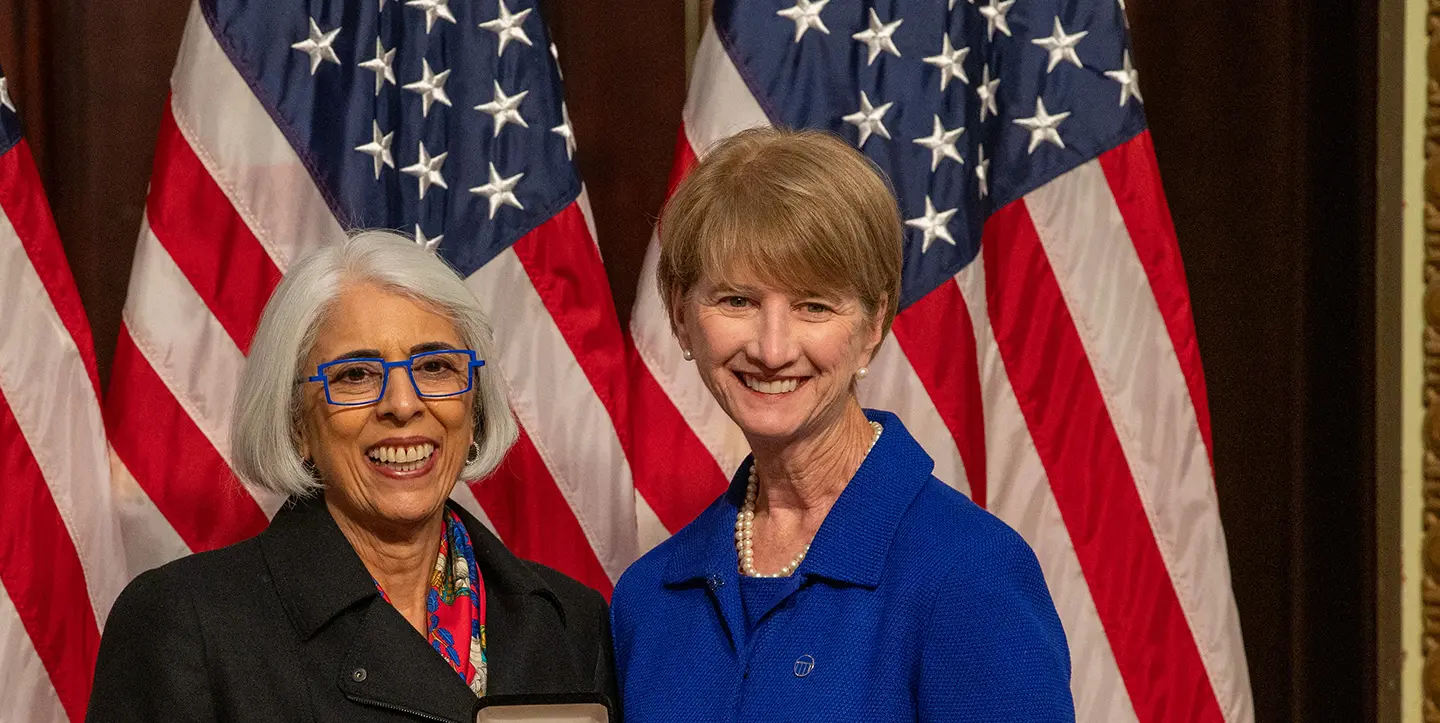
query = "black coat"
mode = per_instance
[{"x": 288, "y": 626}]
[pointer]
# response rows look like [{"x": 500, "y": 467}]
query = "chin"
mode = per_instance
[
  {"x": 412, "y": 505},
  {"x": 768, "y": 425}
]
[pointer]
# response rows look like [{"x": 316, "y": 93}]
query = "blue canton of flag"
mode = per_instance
[
  {"x": 981, "y": 103},
  {"x": 443, "y": 119}
]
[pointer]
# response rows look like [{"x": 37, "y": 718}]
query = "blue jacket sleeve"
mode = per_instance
[{"x": 994, "y": 649}]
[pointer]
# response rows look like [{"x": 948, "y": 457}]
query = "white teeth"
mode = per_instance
[
  {"x": 779, "y": 386},
  {"x": 409, "y": 457}
]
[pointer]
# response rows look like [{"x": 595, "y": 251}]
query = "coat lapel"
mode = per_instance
[
  {"x": 389, "y": 665},
  {"x": 326, "y": 591},
  {"x": 321, "y": 581}
]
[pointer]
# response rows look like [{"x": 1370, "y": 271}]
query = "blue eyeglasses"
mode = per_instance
[{"x": 434, "y": 374}]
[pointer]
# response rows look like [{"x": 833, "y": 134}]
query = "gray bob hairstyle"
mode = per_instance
[{"x": 263, "y": 431}]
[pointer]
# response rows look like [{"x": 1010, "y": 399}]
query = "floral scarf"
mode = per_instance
[{"x": 455, "y": 606}]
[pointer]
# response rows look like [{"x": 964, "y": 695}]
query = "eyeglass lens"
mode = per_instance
[{"x": 434, "y": 375}]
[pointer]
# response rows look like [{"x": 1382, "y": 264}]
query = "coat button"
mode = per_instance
[
  {"x": 716, "y": 582},
  {"x": 359, "y": 675},
  {"x": 804, "y": 665}
]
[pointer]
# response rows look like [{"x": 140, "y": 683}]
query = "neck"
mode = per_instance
[
  {"x": 806, "y": 476},
  {"x": 399, "y": 557}
]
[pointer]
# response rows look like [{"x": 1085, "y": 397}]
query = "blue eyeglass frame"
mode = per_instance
[{"x": 408, "y": 365}]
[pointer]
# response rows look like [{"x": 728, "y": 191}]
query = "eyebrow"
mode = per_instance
[
  {"x": 804, "y": 294},
  {"x": 420, "y": 348}
]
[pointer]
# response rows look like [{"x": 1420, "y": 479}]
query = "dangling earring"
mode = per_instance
[
  {"x": 861, "y": 372},
  {"x": 688, "y": 356},
  {"x": 473, "y": 454}
]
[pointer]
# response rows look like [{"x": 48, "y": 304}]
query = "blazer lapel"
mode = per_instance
[
  {"x": 386, "y": 663},
  {"x": 327, "y": 592}
]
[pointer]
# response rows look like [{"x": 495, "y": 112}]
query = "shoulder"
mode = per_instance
[
  {"x": 645, "y": 577},
  {"x": 203, "y": 574},
  {"x": 580, "y": 606},
  {"x": 990, "y": 607},
  {"x": 969, "y": 540},
  {"x": 167, "y": 608},
  {"x": 572, "y": 594}
]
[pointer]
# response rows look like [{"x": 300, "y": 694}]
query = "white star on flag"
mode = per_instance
[
  {"x": 933, "y": 225},
  {"x": 382, "y": 65},
  {"x": 499, "y": 191},
  {"x": 988, "y": 91},
  {"x": 1129, "y": 79},
  {"x": 378, "y": 148},
  {"x": 1061, "y": 46},
  {"x": 430, "y": 86},
  {"x": 429, "y": 244},
  {"x": 5, "y": 94},
  {"x": 1043, "y": 126},
  {"x": 806, "y": 15},
  {"x": 995, "y": 17},
  {"x": 565, "y": 131},
  {"x": 508, "y": 26},
  {"x": 317, "y": 46},
  {"x": 504, "y": 109},
  {"x": 941, "y": 144},
  {"x": 427, "y": 170},
  {"x": 433, "y": 9},
  {"x": 869, "y": 119},
  {"x": 879, "y": 37},
  {"x": 951, "y": 62},
  {"x": 982, "y": 171}
]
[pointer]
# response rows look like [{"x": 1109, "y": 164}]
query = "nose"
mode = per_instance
[
  {"x": 775, "y": 343},
  {"x": 400, "y": 399}
]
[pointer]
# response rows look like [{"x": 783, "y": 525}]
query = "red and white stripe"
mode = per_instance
[
  {"x": 1056, "y": 381},
  {"x": 231, "y": 206},
  {"x": 60, "y": 567}
]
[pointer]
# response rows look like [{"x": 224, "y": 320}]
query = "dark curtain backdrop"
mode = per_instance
[{"x": 1263, "y": 117}]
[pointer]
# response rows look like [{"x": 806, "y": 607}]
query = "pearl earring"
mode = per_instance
[
  {"x": 688, "y": 356},
  {"x": 861, "y": 372}
]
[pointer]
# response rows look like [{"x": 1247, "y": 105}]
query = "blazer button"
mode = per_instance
[
  {"x": 716, "y": 582},
  {"x": 359, "y": 675}
]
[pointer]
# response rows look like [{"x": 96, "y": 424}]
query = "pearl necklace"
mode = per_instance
[{"x": 745, "y": 524}]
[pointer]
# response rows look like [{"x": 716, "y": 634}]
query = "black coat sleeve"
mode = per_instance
[{"x": 151, "y": 665}]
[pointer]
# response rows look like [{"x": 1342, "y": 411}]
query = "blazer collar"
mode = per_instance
[
  {"x": 319, "y": 576},
  {"x": 853, "y": 541},
  {"x": 316, "y": 572}
]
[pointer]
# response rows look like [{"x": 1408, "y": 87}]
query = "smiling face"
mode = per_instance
[
  {"x": 394, "y": 462},
  {"x": 781, "y": 364}
]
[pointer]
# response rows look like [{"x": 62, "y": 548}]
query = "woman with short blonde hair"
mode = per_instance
[{"x": 837, "y": 578}]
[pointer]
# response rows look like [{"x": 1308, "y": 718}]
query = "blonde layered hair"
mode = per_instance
[{"x": 797, "y": 209}]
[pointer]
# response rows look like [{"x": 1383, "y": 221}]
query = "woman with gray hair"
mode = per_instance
[{"x": 369, "y": 392}]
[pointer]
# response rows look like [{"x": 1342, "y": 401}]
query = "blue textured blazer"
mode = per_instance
[{"x": 913, "y": 604}]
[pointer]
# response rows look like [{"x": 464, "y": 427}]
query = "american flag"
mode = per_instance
[
  {"x": 1046, "y": 357},
  {"x": 60, "y": 566},
  {"x": 1044, "y": 354},
  {"x": 289, "y": 124}
]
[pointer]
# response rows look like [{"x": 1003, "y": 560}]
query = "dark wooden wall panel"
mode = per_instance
[
  {"x": 1263, "y": 119},
  {"x": 625, "y": 84}
]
